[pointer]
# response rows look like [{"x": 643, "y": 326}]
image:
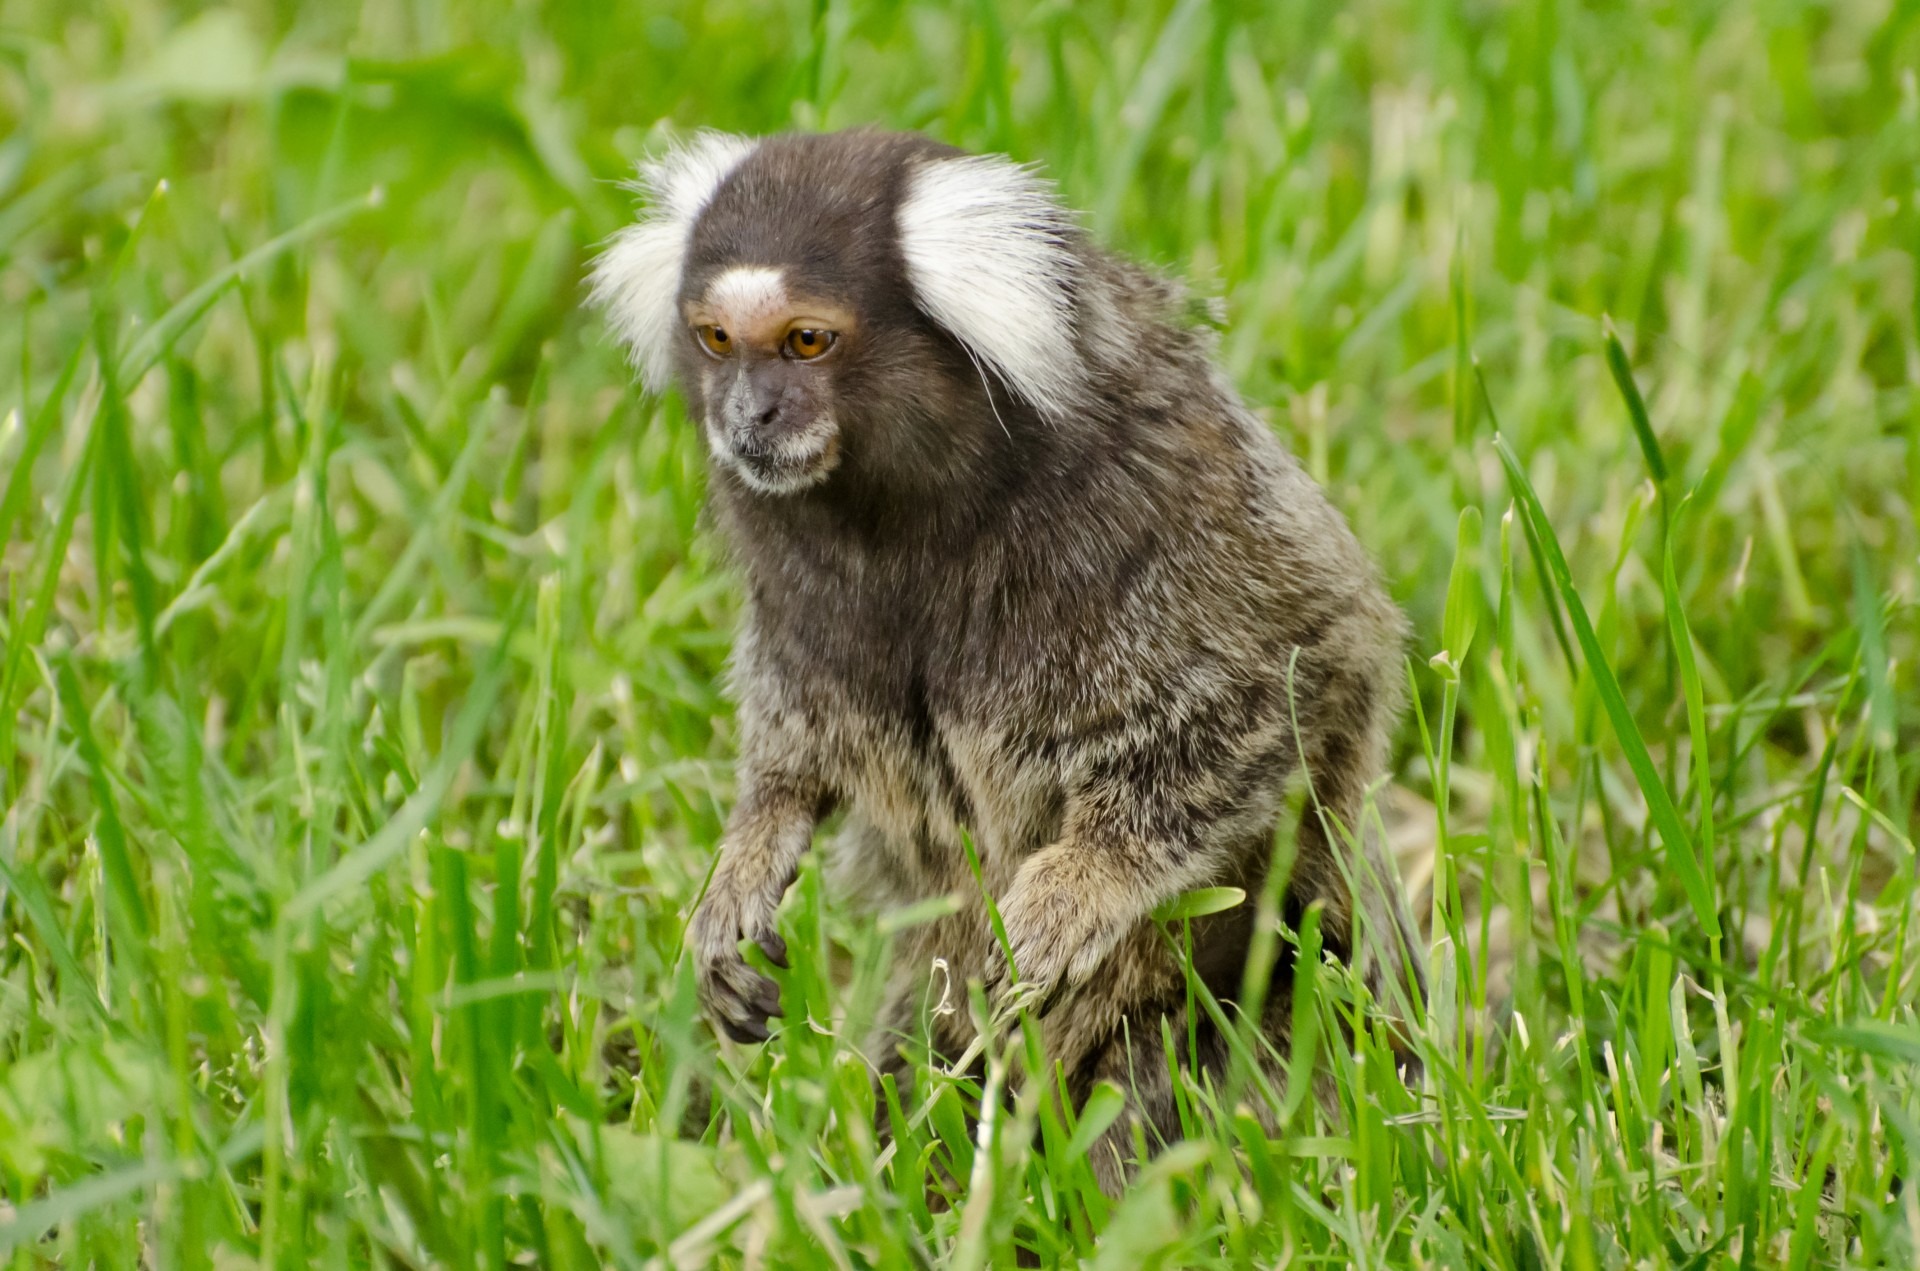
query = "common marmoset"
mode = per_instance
[{"x": 1019, "y": 565}]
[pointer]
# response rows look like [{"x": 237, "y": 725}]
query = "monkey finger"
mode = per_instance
[
  {"x": 746, "y": 1032},
  {"x": 774, "y": 945},
  {"x": 728, "y": 976},
  {"x": 754, "y": 992},
  {"x": 734, "y": 1013},
  {"x": 1032, "y": 964},
  {"x": 750, "y": 991},
  {"x": 766, "y": 997},
  {"x": 719, "y": 983}
]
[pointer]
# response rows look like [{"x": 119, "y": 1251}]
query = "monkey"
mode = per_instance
[{"x": 1021, "y": 572}]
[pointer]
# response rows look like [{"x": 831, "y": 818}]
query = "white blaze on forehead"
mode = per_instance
[
  {"x": 637, "y": 278},
  {"x": 746, "y": 297}
]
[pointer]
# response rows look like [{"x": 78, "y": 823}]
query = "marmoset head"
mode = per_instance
[{"x": 856, "y": 299}]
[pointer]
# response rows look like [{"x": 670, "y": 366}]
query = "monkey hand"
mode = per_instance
[
  {"x": 739, "y": 905},
  {"x": 1061, "y": 921}
]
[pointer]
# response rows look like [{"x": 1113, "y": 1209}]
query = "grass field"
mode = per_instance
[{"x": 362, "y": 739}]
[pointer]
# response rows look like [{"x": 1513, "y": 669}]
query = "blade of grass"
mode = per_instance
[
  {"x": 1673, "y": 835},
  {"x": 154, "y": 343},
  {"x": 20, "y": 479},
  {"x": 356, "y": 866},
  {"x": 1622, "y": 372},
  {"x": 131, "y": 920}
]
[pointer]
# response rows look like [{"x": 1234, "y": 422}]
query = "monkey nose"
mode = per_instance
[{"x": 754, "y": 435}]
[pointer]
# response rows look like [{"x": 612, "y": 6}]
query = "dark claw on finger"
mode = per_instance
[
  {"x": 766, "y": 997},
  {"x": 775, "y": 947},
  {"x": 750, "y": 1031}
]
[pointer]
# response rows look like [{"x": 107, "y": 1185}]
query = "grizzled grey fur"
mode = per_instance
[{"x": 1019, "y": 565}]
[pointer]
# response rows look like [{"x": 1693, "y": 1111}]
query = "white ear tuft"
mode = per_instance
[
  {"x": 986, "y": 248},
  {"x": 637, "y": 278}
]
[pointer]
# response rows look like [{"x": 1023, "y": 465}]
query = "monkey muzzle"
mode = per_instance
[{"x": 773, "y": 432}]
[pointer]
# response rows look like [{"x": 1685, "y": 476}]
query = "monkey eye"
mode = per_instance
[
  {"x": 715, "y": 340},
  {"x": 807, "y": 343}
]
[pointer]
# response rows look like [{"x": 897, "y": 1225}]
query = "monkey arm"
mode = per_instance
[
  {"x": 1152, "y": 816},
  {"x": 771, "y": 828}
]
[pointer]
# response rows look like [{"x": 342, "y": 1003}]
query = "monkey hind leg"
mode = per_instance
[
  {"x": 1341, "y": 860},
  {"x": 1170, "y": 1066}
]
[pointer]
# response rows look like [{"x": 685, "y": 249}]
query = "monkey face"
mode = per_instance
[
  {"x": 798, "y": 345},
  {"x": 765, "y": 375},
  {"x": 865, "y": 312}
]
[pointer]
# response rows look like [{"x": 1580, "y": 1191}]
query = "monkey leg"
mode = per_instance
[
  {"x": 1135, "y": 1058},
  {"x": 1340, "y": 860}
]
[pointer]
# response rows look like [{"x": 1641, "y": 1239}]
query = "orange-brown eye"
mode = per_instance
[
  {"x": 807, "y": 343},
  {"x": 715, "y": 340}
]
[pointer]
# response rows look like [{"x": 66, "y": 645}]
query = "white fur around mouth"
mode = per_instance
[{"x": 793, "y": 463}]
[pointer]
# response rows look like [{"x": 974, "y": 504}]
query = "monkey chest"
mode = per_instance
[
  {"x": 917, "y": 783},
  {"x": 922, "y": 715}
]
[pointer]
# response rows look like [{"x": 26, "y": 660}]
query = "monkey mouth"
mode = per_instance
[{"x": 786, "y": 464}]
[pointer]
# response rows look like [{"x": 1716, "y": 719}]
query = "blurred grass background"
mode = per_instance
[{"x": 361, "y": 743}]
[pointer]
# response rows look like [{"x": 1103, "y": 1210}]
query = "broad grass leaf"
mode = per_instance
[{"x": 1200, "y": 902}]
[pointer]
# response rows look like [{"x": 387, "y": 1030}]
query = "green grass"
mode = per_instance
[{"x": 361, "y": 738}]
